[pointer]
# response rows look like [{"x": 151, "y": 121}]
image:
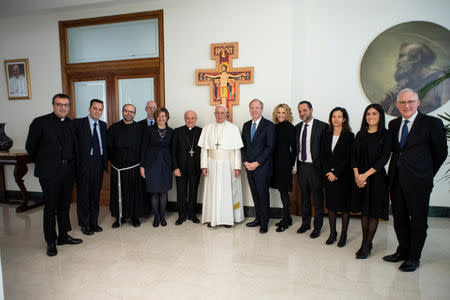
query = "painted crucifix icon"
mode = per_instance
[{"x": 224, "y": 81}]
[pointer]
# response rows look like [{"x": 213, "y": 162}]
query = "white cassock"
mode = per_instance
[
  {"x": 221, "y": 154},
  {"x": 18, "y": 86}
]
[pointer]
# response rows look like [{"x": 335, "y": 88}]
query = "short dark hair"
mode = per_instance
[
  {"x": 96, "y": 101},
  {"x": 305, "y": 102},
  {"x": 345, "y": 125},
  {"x": 123, "y": 107},
  {"x": 61, "y": 96}
]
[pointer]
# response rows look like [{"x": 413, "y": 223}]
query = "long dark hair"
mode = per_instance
[
  {"x": 381, "y": 123},
  {"x": 345, "y": 125}
]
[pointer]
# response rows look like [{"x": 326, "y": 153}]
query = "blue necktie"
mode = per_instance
[
  {"x": 96, "y": 152},
  {"x": 404, "y": 134},
  {"x": 252, "y": 133}
]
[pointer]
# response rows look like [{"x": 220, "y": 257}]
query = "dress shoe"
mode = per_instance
[
  {"x": 279, "y": 223},
  {"x": 209, "y": 225},
  {"x": 396, "y": 257},
  {"x": 304, "y": 228},
  {"x": 227, "y": 226},
  {"x": 116, "y": 224},
  {"x": 361, "y": 249},
  {"x": 409, "y": 265},
  {"x": 135, "y": 222},
  {"x": 179, "y": 221},
  {"x": 331, "y": 238},
  {"x": 163, "y": 222},
  {"x": 315, "y": 233},
  {"x": 195, "y": 220},
  {"x": 51, "y": 249},
  {"x": 254, "y": 223},
  {"x": 156, "y": 222},
  {"x": 123, "y": 220},
  {"x": 281, "y": 228},
  {"x": 263, "y": 229},
  {"x": 365, "y": 252},
  {"x": 86, "y": 230},
  {"x": 342, "y": 240},
  {"x": 96, "y": 228},
  {"x": 68, "y": 240}
]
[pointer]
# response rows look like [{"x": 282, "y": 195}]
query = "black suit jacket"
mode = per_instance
[
  {"x": 423, "y": 153},
  {"x": 337, "y": 161},
  {"x": 261, "y": 148},
  {"x": 45, "y": 147},
  {"x": 180, "y": 147},
  {"x": 83, "y": 134},
  {"x": 318, "y": 131}
]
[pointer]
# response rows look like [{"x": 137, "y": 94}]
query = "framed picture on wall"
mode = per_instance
[{"x": 18, "y": 79}]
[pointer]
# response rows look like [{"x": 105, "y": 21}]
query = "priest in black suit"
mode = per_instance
[
  {"x": 186, "y": 166},
  {"x": 51, "y": 146},
  {"x": 419, "y": 150},
  {"x": 92, "y": 160},
  {"x": 258, "y": 136}
]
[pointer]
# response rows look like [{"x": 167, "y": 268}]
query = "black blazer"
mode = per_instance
[
  {"x": 338, "y": 160},
  {"x": 82, "y": 131},
  {"x": 423, "y": 153},
  {"x": 318, "y": 131},
  {"x": 45, "y": 147},
  {"x": 261, "y": 148},
  {"x": 181, "y": 147}
]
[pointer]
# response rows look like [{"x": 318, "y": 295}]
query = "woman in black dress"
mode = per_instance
[
  {"x": 156, "y": 163},
  {"x": 336, "y": 152},
  {"x": 283, "y": 160},
  {"x": 371, "y": 151}
]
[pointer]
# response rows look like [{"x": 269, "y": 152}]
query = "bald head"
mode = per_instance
[{"x": 190, "y": 118}]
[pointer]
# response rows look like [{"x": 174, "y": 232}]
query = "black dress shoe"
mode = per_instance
[
  {"x": 396, "y": 257},
  {"x": 315, "y": 233},
  {"x": 179, "y": 221},
  {"x": 361, "y": 249},
  {"x": 281, "y": 228},
  {"x": 254, "y": 223},
  {"x": 123, "y": 220},
  {"x": 209, "y": 225},
  {"x": 409, "y": 265},
  {"x": 365, "y": 252},
  {"x": 135, "y": 222},
  {"x": 163, "y": 222},
  {"x": 263, "y": 229},
  {"x": 116, "y": 224},
  {"x": 279, "y": 223},
  {"x": 227, "y": 226},
  {"x": 304, "y": 228},
  {"x": 331, "y": 238},
  {"x": 86, "y": 230},
  {"x": 156, "y": 222},
  {"x": 96, "y": 228},
  {"x": 51, "y": 249},
  {"x": 195, "y": 220},
  {"x": 68, "y": 240},
  {"x": 342, "y": 240}
]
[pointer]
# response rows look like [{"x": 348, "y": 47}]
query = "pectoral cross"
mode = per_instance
[
  {"x": 191, "y": 152},
  {"x": 217, "y": 145}
]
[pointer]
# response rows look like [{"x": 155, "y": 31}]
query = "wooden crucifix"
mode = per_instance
[{"x": 224, "y": 81}]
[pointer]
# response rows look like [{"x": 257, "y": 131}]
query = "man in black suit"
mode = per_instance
[
  {"x": 258, "y": 136},
  {"x": 309, "y": 136},
  {"x": 186, "y": 166},
  {"x": 419, "y": 150},
  {"x": 51, "y": 146},
  {"x": 90, "y": 133}
]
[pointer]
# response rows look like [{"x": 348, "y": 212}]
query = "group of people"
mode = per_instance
[{"x": 333, "y": 167}]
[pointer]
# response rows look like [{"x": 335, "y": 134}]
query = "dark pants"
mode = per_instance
[
  {"x": 410, "y": 211},
  {"x": 189, "y": 178},
  {"x": 309, "y": 180},
  {"x": 88, "y": 193},
  {"x": 259, "y": 186},
  {"x": 57, "y": 197}
]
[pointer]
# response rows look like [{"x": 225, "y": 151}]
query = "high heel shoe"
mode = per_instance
[
  {"x": 361, "y": 249},
  {"x": 163, "y": 221},
  {"x": 365, "y": 252},
  {"x": 156, "y": 222},
  {"x": 331, "y": 238},
  {"x": 342, "y": 240}
]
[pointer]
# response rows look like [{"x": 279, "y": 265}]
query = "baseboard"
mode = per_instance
[{"x": 249, "y": 211}]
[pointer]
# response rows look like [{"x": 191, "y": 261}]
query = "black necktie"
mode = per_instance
[{"x": 96, "y": 143}]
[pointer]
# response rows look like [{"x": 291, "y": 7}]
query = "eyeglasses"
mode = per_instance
[
  {"x": 409, "y": 102},
  {"x": 62, "y": 105},
  {"x": 129, "y": 111},
  {"x": 220, "y": 113}
]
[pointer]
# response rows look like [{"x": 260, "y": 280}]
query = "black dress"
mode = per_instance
[
  {"x": 157, "y": 159},
  {"x": 339, "y": 192},
  {"x": 283, "y": 156},
  {"x": 371, "y": 151}
]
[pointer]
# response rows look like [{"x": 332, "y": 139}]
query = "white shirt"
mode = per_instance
[
  {"x": 91, "y": 123},
  {"x": 308, "y": 141},
  {"x": 257, "y": 124},
  {"x": 410, "y": 124},
  {"x": 334, "y": 142}
]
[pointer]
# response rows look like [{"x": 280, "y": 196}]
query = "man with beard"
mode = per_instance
[
  {"x": 413, "y": 71},
  {"x": 124, "y": 142}
]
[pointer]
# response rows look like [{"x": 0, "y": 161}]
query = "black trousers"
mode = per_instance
[
  {"x": 410, "y": 212},
  {"x": 88, "y": 193},
  {"x": 57, "y": 193},
  {"x": 187, "y": 198},
  {"x": 310, "y": 183},
  {"x": 259, "y": 181}
]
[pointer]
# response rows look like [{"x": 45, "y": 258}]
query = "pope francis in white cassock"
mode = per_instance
[{"x": 221, "y": 165}]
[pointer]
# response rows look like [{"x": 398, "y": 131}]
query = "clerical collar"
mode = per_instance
[{"x": 190, "y": 128}]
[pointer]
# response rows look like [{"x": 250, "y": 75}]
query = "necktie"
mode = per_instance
[
  {"x": 303, "y": 148},
  {"x": 404, "y": 134},
  {"x": 95, "y": 143},
  {"x": 151, "y": 122},
  {"x": 252, "y": 133}
]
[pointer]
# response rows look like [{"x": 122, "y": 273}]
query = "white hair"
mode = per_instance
[
  {"x": 221, "y": 105},
  {"x": 407, "y": 90}
]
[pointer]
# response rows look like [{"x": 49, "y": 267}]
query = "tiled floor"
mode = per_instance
[{"x": 193, "y": 261}]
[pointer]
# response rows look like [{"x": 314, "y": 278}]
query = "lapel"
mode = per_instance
[
  {"x": 413, "y": 130},
  {"x": 87, "y": 127},
  {"x": 338, "y": 141},
  {"x": 258, "y": 129}
]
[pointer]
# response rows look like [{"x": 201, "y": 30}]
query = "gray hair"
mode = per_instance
[
  {"x": 407, "y": 90},
  {"x": 256, "y": 100}
]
